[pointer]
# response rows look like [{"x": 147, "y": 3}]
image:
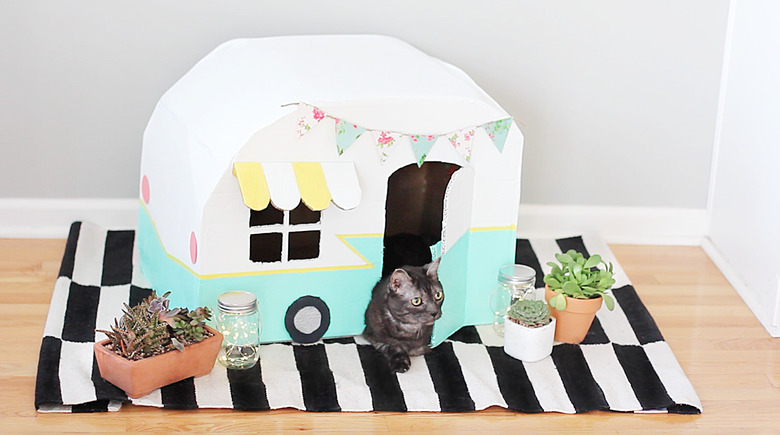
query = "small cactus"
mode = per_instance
[
  {"x": 530, "y": 313},
  {"x": 150, "y": 328}
]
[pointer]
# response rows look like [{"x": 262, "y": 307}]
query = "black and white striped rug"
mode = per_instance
[{"x": 623, "y": 364}]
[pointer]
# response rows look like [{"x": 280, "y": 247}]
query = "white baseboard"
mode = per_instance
[
  {"x": 51, "y": 218},
  {"x": 627, "y": 225},
  {"x": 728, "y": 271}
]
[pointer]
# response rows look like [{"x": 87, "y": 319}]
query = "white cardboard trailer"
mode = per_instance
[{"x": 277, "y": 166}]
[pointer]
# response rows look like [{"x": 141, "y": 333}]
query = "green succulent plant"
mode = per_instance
[
  {"x": 579, "y": 277},
  {"x": 530, "y": 313},
  {"x": 151, "y": 328}
]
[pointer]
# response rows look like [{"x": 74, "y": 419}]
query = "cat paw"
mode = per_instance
[{"x": 400, "y": 363}]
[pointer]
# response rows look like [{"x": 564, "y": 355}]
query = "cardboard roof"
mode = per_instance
[{"x": 243, "y": 85}]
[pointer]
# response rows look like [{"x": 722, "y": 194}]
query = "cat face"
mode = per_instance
[{"x": 415, "y": 294}]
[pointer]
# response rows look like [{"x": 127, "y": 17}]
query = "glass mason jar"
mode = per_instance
[
  {"x": 239, "y": 321},
  {"x": 515, "y": 282}
]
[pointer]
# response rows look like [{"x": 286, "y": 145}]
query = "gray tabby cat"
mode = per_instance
[{"x": 400, "y": 316}]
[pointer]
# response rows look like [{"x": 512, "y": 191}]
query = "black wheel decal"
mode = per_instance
[{"x": 295, "y": 307}]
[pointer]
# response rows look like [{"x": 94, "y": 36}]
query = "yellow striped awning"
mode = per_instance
[{"x": 286, "y": 184}]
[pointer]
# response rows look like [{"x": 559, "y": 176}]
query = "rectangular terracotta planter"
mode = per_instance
[{"x": 139, "y": 378}]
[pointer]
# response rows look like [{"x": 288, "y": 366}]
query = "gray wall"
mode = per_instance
[{"x": 617, "y": 98}]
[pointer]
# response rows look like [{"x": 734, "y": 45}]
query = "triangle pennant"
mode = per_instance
[
  {"x": 308, "y": 118},
  {"x": 498, "y": 130},
  {"x": 346, "y": 134},
  {"x": 461, "y": 140},
  {"x": 385, "y": 143},
  {"x": 421, "y": 145}
]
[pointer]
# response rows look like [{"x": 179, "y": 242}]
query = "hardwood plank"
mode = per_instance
[{"x": 774, "y": 378}]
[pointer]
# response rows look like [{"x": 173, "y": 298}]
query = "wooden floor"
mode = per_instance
[{"x": 731, "y": 360}]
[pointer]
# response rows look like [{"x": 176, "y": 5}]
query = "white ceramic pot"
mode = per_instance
[{"x": 528, "y": 344}]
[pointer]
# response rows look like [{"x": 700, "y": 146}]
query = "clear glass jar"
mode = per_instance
[
  {"x": 515, "y": 281},
  {"x": 239, "y": 321}
]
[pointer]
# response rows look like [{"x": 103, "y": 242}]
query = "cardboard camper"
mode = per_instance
[{"x": 280, "y": 165}]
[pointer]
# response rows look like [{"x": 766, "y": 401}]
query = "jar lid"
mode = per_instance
[
  {"x": 237, "y": 302},
  {"x": 516, "y": 274}
]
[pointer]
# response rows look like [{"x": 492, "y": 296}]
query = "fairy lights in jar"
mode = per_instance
[{"x": 239, "y": 321}]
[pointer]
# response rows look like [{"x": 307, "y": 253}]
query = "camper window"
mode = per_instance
[
  {"x": 267, "y": 216},
  {"x": 304, "y": 245},
  {"x": 265, "y": 248},
  {"x": 303, "y": 215},
  {"x": 278, "y": 235}
]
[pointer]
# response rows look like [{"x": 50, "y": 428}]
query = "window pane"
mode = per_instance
[
  {"x": 304, "y": 244},
  {"x": 303, "y": 215},
  {"x": 265, "y": 248},
  {"x": 268, "y": 216}
]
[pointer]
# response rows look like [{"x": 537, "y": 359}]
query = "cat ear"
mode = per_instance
[
  {"x": 432, "y": 269},
  {"x": 398, "y": 279}
]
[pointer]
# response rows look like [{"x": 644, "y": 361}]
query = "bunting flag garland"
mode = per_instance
[
  {"x": 421, "y": 145},
  {"x": 308, "y": 117},
  {"x": 461, "y": 140},
  {"x": 346, "y": 134},
  {"x": 498, "y": 130},
  {"x": 386, "y": 141}
]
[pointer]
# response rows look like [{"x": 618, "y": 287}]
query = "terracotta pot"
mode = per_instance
[
  {"x": 573, "y": 322},
  {"x": 528, "y": 344},
  {"x": 139, "y": 378}
]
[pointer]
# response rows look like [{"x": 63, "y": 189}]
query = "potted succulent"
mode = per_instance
[
  {"x": 151, "y": 346},
  {"x": 575, "y": 288},
  {"x": 529, "y": 330}
]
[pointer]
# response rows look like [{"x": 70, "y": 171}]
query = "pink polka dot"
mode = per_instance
[
  {"x": 145, "y": 189},
  {"x": 193, "y": 248}
]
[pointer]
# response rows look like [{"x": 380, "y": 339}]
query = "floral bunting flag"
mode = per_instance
[
  {"x": 346, "y": 134},
  {"x": 385, "y": 143},
  {"x": 498, "y": 130},
  {"x": 308, "y": 118},
  {"x": 461, "y": 140},
  {"x": 421, "y": 145}
]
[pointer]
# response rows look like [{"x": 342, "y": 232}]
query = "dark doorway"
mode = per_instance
[{"x": 413, "y": 213}]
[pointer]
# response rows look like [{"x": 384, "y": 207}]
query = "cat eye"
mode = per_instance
[
  {"x": 438, "y": 295},
  {"x": 416, "y": 301}
]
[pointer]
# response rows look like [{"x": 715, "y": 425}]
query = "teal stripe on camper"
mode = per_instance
[
  {"x": 169, "y": 276},
  {"x": 452, "y": 274},
  {"x": 468, "y": 272},
  {"x": 435, "y": 250},
  {"x": 346, "y": 292},
  {"x": 488, "y": 251}
]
